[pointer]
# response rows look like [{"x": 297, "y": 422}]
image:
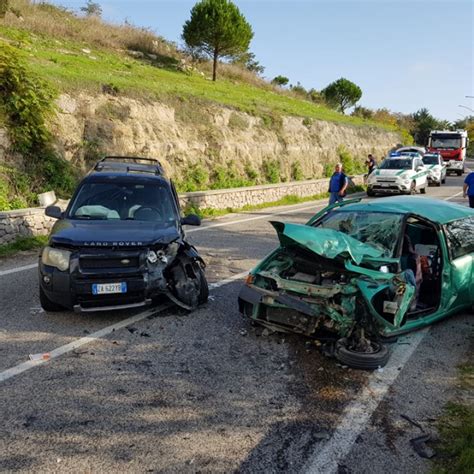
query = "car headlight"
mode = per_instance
[{"x": 56, "y": 258}]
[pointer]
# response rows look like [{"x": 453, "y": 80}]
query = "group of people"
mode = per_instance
[{"x": 339, "y": 182}]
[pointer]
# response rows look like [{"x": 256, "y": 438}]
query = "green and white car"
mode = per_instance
[
  {"x": 400, "y": 174},
  {"x": 436, "y": 168}
]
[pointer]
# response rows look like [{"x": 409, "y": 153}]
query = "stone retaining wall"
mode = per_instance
[
  {"x": 32, "y": 221},
  {"x": 252, "y": 195}
]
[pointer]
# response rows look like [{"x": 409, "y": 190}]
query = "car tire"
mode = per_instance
[
  {"x": 423, "y": 190},
  {"x": 362, "y": 360},
  {"x": 443, "y": 181},
  {"x": 412, "y": 188},
  {"x": 370, "y": 193},
  {"x": 204, "y": 288},
  {"x": 47, "y": 304},
  {"x": 438, "y": 184},
  {"x": 459, "y": 173}
]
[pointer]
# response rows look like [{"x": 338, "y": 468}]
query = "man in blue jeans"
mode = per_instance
[
  {"x": 468, "y": 188},
  {"x": 337, "y": 185}
]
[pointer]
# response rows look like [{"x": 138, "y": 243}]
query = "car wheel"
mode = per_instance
[
  {"x": 438, "y": 184},
  {"x": 459, "y": 173},
  {"x": 413, "y": 188},
  {"x": 423, "y": 190},
  {"x": 370, "y": 193},
  {"x": 362, "y": 360},
  {"x": 443, "y": 181},
  {"x": 47, "y": 304}
]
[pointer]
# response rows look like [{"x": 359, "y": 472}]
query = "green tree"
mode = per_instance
[
  {"x": 92, "y": 9},
  {"x": 249, "y": 62},
  {"x": 342, "y": 94},
  {"x": 280, "y": 81},
  {"x": 218, "y": 29},
  {"x": 362, "y": 112},
  {"x": 423, "y": 123}
]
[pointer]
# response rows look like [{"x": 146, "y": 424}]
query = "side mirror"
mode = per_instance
[
  {"x": 54, "y": 212},
  {"x": 192, "y": 219},
  {"x": 420, "y": 168}
]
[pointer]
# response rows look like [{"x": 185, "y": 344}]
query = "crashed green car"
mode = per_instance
[{"x": 359, "y": 272}]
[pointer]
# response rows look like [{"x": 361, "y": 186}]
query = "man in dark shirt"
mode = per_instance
[
  {"x": 468, "y": 188},
  {"x": 337, "y": 185},
  {"x": 371, "y": 164}
]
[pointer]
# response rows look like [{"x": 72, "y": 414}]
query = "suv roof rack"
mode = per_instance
[{"x": 129, "y": 164}]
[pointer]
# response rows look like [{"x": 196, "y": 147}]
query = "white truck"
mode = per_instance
[{"x": 452, "y": 145}]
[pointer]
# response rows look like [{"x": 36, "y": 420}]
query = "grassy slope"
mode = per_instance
[{"x": 65, "y": 64}]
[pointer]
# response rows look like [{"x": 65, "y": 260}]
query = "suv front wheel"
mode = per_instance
[{"x": 47, "y": 304}]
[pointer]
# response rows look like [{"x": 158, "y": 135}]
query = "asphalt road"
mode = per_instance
[{"x": 172, "y": 392}]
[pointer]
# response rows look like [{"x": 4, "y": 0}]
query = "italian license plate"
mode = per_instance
[
  {"x": 384, "y": 185},
  {"x": 109, "y": 288}
]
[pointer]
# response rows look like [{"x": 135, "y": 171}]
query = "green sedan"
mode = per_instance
[{"x": 360, "y": 272}]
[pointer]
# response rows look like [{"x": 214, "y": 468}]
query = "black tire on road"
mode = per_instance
[
  {"x": 423, "y": 190},
  {"x": 370, "y": 193},
  {"x": 443, "y": 181},
  {"x": 204, "y": 289},
  {"x": 47, "y": 304},
  {"x": 362, "y": 360},
  {"x": 459, "y": 173}
]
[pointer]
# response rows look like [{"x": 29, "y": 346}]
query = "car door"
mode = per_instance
[
  {"x": 460, "y": 242},
  {"x": 421, "y": 173}
]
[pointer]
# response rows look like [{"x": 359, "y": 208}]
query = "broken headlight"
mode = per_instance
[{"x": 56, "y": 258}]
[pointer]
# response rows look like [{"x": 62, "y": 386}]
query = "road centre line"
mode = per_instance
[
  {"x": 357, "y": 415},
  {"x": 261, "y": 216},
  {"x": 59, "y": 351}
]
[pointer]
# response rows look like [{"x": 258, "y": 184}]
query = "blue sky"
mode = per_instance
[{"x": 404, "y": 54}]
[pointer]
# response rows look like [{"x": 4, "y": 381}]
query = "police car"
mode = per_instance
[
  {"x": 436, "y": 168},
  {"x": 399, "y": 173}
]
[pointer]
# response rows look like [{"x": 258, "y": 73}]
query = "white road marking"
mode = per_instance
[
  {"x": 453, "y": 196},
  {"x": 356, "y": 416},
  {"x": 59, "y": 351},
  {"x": 255, "y": 218},
  {"x": 18, "y": 269}
]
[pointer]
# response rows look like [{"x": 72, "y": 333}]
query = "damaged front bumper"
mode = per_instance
[
  {"x": 140, "y": 274},
  {"x": 317, "y": 282}
]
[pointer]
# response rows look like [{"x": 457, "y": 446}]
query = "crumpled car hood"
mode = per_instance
[{"x": 327, "y": 243}]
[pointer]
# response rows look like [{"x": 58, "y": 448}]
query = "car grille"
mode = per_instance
[
  {"x": 93, "y": 263},
  {"x": 386, "y": 180}
]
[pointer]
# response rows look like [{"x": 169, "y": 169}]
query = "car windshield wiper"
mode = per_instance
[{"x": 88, "y": 216}]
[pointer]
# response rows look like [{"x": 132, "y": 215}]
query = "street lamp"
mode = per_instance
[{"x": 466, "y": 107}]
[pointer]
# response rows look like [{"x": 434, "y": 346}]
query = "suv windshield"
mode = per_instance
[
  {"x": 396, "y": 164},
  {"x": 151, "y": 202},
  {"x": 431, "y": 160},
  {"x": 378, "y": 229}
]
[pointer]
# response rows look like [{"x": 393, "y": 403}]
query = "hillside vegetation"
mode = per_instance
[
  {"x": 77, "y": 54},
  {"x": 52, "y": 51}
]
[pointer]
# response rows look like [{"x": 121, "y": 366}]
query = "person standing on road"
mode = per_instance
[
  {"x": 371, "y": 164},
  {"x": 468, "y": 188},
  {"x": 337, "y": 185}
]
